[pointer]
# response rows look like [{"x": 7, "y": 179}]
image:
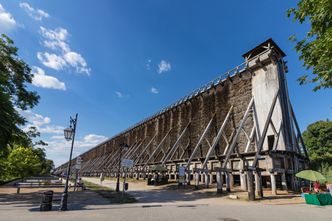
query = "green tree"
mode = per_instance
[
  {"x": 46, "y": 165},
  {"x": 15, "y": 74},
  {"x": 23, "y": 162},
  {"x": 315, "y": 48},
  {"x": 318, "y": 140}
]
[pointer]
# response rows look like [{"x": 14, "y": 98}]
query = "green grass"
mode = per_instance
[
  {"x": 132, "y": 180},
  {"x": 110, "y": 194}
]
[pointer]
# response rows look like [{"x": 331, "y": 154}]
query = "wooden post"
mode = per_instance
[
  {"x": 196, "y": 180},
  {"x": 273, "y": 184},
  {"x": 207, "y": 179},
  {"x": 251, "y": 189},
  {"x": 228, "y": 186},
  {"x": 258, "y": 184},
  {"x": 188, "y": 176},
  {"x": 219, "y": 182}
]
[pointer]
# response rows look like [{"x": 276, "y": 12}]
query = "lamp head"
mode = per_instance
[{"x": 68, "y": 132}]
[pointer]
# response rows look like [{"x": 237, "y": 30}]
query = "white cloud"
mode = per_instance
[
  {"x": 58, "y": 34},
  {"x": 51, "y": 129},
  {"x": 7, "y": 22},
  {"x": 34, "y": 119},
  {"x": 148, "y": 65},
  {"x": 77, "y": 61},
  {"x": 56, "y": 40},
  {"x": 58, "y": 148},
  {"x": 40, "y": 79},
  {"x": 164, "y": 66},
  {"x": 94, "y": 139},
  {"x": 154, "y": 90},
  {"x": 43, "y": 124},
  {"x": 56, "y": 45},
  {"x": 57, "y": 137},
  {"x": 51, "y": 60},
  {"x": 36, "y": 14},
  {"x": 119, "y": 94}
]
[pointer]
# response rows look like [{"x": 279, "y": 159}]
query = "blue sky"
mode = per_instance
[{"x": 117, "y": 62}]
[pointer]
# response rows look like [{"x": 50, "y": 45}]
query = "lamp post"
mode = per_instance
[
  {"x": 123, "y": 146},
  {"x": 69, "y": 135}
]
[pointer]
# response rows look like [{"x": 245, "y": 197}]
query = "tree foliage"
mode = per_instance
[
  {"x": 14, "y": 76},
  {"x": 18, "y": 158},
  {"x": 23, "y": 162},
  {"x": 318, "y": 140},
  {"x": 315, "y": 48}
]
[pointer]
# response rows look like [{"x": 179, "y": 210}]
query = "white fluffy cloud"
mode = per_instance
[
  {"x": 118, "y": 94},
  {"x": 51, "y": 129},
  {"x": 58, "y": 34},
  {"x": 53, "y": 61},
  {"x": 154, "y": 90},
  {"x": 40, "y": 79},
  {"x": 58, "y": 148},
  {"x": 43, "y": 124},
  {"x": 36, "y": 14},
  {"x": 77, "y": 61},
  {"x": 164, "y": 66},
  {"x": 63, "y": 57},
  {"x": 7, "y": 22},
  {"x": 93, "y": 139},
  {"x": 34, "y": 119}
]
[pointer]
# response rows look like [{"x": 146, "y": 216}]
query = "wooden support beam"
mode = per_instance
[
  {"x": 130, "y": 156},
  {"x": 173, "y": 148},
  {"x": 199, "y": 143},
  {"x": 251, "y": 136},
  {"x": 144, "y": 150},
  {"x": 156, "y": 149},
  {"x": 228, "y": 141},
  {"x": 217, "y": 138},
  {"x": 275, "y": 145},
  {"x": 251, "y": 187},
  {"x": 266, "y": 126},
  {"x": 130, "y": 150},
  {"x": 299, "y": 132},
  {"x": 238, "y": 131}
]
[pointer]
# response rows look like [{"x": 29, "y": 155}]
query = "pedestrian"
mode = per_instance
[
  {"x": 316, "y": 187},
  {"x": 101, "y": 178},
  {"x": 329, "y": 187}
]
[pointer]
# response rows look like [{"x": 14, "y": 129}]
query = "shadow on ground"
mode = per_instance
[
  {"x": 172, "y": 193},
  {"x": 31, "y": 201}
]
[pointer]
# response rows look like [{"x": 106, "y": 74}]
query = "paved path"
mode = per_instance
[
  {"x": 165, "y": 204},
  {"x": 159, "y": 194}
]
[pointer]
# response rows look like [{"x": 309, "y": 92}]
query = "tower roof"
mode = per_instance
[{"x": 262, "y": 47}]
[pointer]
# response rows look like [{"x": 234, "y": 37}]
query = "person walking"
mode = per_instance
[{"x": 101, "y": 178}]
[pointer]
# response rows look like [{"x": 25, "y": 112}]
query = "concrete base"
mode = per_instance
[{"x": 273, "y": 184}]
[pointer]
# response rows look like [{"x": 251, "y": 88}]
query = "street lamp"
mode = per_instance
[
  {"x": 123, "y": 146},
  {"x": 69, "y": 134}
]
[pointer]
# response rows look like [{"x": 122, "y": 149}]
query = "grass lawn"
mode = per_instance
[
  {"x": 110, "y": 194},
  {"x": 132, "y": 180}
]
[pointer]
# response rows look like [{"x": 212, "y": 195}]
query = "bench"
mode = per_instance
[{"x": 20, "y": 185}]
